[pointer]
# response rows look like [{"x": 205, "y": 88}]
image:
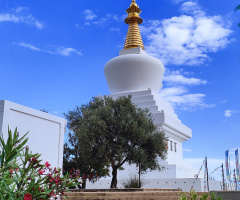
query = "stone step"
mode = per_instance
[
  {"x": 125, "y": 198},
  {"x": 142, "y": 98},
  {"x": 124, "y": 193},
  {"x": 133, "y": 93},
  {"x": 153, "y": 108},
  {"x": 144, "y": 195},
  {"x": 126, "y": 190},
  {"x": 145, "y": 103}
]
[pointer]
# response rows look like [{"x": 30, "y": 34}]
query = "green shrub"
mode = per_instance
[
  {"x": 22, "y": 176},
  {"x": 204, "y": 197},
  {"x": 193, "y": 196},
  {"x": 215, "y": 197},
  {"x": 133, "y": 182}
]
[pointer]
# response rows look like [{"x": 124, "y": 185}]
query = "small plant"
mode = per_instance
[
  {"x": 23, "y": 177},
  {"x": 204, "y": 197},
  {"x": 183, "y": 196},
  {"x": 215, "y": 197},
  {"x": 193, "y": 196},
  {"x": 133, "y": 182}
]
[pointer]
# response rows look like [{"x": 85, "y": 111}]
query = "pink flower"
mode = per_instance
[
  {"x": 47, "y": 165},
  {"x": 27, "y": 196},
  {"x": 40, "y": 172},
  {"x": 34, "y": 159},
  {"x": 11, "y": 171}
]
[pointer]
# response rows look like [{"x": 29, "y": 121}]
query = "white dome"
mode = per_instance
[{"x": 134, "y": 72}]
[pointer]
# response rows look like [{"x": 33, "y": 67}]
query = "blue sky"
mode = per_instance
[{"x": 52, "y": 56}]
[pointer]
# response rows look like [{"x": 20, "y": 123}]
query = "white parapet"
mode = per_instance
[
  {"x": 46, "y": 131},
  {"x": 166, "y": 183}
]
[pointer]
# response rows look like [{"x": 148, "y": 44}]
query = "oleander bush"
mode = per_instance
[{"x": 24, "y": 177}]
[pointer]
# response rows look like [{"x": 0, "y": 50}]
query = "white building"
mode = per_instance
[{"x": 46, "y": 131}]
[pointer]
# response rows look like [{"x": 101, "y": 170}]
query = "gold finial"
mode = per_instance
[{"x": 134, "y": 38}]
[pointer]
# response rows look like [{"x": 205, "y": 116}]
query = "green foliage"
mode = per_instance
[
  {"x": 133, "y": 182},
  {"x": 73, "y": 160},
  {"x": 193, "y": 196},
  {"x": 22, "y": 176},
  {"x": 44, "y": 110},
  {"x": 108, "y": 132},
  {"x": 183, "y": 196},
  {"x": 215, "y": 197},
  {"x": 11, "y": 150},
  {"x": 204, "y": 197},
  {"x": 236, "y": 9}
]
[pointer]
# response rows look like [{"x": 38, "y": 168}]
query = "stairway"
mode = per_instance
[{"x": 126, "y": 195}]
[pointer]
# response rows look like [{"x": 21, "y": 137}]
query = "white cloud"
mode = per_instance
[
  {"x": 177, "y": 78},
  {"x": 177, "y": 92},
  {"x": 113, "y": 16},
  {"x": 87, "y": 24},
  {"x": 8, "y": 18},
  {"x": 89, "y": 14},
  {"x": 186, "y": 39},
  {"x": 229, "y": 113},
  {"x": 68, "y": 51},
  {"x": 180, "y": 97},
  {"x": 20, "y": 15},
  {"x": 30, "y": 46},
  {"x": 187, "y": 150},
  {"x": 102, "y": 21},
  {"x": 78, "y": 26},
  {"x": 191, "y": 7},
  {"x": 172, "y": 91},
  {"x": 92, "y": 19},
  {"x": 57, "y": 51}
]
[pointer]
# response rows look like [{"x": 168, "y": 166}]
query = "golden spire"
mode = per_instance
[{"x": 134, "y": 38}]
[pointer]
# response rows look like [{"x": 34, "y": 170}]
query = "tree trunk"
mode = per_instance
[
  {"x": 139, "y": 176},
  {"x": 114, "y": 178},
  {"x": 84, "y": 184}
]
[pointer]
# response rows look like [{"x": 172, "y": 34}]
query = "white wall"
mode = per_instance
[
  {"x": 46, "y": 131},
  {"x": 184, "y": 184}
]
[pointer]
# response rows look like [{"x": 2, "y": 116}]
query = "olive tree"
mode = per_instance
[{"x": 112, "y": 132}]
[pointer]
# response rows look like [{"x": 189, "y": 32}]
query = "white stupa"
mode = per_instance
[{"x": 136, "y": 73}]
